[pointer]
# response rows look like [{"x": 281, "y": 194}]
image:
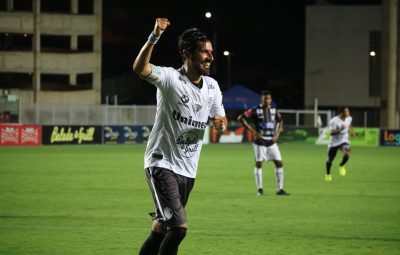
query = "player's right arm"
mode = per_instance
[
  {"x": 242, "y": 119},
  {"x": 334, "y": 128},
  {"x": 142, "y": 64}
]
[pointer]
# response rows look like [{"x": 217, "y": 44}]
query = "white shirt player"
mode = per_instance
[
  {"x": 182, "y": 115},
  {"x": 343, "y": 136}
]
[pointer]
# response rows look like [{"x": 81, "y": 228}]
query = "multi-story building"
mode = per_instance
[
  {"x": 343, "y": 54},
  {"x": 50, "y": 51}
]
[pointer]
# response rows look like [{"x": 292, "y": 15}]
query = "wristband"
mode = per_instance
[{"x": 153, "y": 39}]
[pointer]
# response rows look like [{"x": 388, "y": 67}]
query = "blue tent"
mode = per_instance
[{"x": 240, "y": 97}]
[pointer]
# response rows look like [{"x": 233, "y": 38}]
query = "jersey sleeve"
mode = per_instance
[
  {"x": 247, "y": 114},
  {"x": 217, "y": 108},
  {"x": 159, "y": 76}
]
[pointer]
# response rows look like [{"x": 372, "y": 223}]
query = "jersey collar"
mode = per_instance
[{"x": 183, "y": 76}]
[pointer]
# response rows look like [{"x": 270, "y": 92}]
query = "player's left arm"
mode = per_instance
[
  {"x": 278, "y": 128},
  {"x": 351, "y": 130}
]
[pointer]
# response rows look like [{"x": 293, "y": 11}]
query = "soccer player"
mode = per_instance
[
  {"x": 186, "y": 99},
  {"x": 340, "y": 127},
  {"x": 265, "y": 122}
]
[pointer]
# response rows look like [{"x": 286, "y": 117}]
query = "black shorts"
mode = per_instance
[
  {"x": 345, "y": 147},
  {"x": 170, "y": 193}
]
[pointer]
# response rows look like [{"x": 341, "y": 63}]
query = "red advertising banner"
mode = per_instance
[{"x": 20, "y": 134}]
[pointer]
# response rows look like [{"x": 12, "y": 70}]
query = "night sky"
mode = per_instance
[{"x": 265, "y": 37}]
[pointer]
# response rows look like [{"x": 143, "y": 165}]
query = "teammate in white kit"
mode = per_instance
[
  {"x": 186, "y": 99},
  {"x": 340, "y": 127}
]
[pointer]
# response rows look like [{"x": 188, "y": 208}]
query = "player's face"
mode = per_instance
[
  {"x": 266, "y": 100},
  {"x": 202, "y": 59},
  {"x": 346, "y": 113}
]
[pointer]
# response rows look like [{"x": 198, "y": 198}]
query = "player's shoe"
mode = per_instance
[
  {"x": 281, "y": 192},
  {"x": 328, "y": 177},
  {"x": 342, "y": 171},
  {"x": 260, "y": 192}
]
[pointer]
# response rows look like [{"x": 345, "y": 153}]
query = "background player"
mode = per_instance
[
  {"x": 340, "y": 127},
  {"x": 267, "y": 124},
  {"x": 186, "y": 99}
]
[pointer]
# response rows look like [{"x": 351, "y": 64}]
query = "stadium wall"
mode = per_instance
[{"x": 34, "y": 135}]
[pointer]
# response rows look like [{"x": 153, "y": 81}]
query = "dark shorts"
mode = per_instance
[
  {"x": 345, "y": 147},
  {"x": 170, "y": 193}
]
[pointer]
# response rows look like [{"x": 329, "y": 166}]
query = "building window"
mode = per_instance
[
  {"x": 60, "y": 82},
  {"x": 16, "y": 80},
  {"x": 374, "y": 63},
  {"x": 84, "y": 80},
  {"x": 86, "y": 7},
  {"x": 23, "y": 5},
  {"x": 15, "y": 42},
  {"x": 55, "y": 43},
  {"x": 85, "y": 43},
  {"x": 59, "y": 6},
  {"x": 17, "y": 5},
  {"x": 54, "y": 82}
]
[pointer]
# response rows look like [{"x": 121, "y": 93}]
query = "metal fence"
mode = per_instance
[
  {"x": 310, "y": 118},
  {"x": 62, "y": 114},
  {"x": 65, "y": 114}
]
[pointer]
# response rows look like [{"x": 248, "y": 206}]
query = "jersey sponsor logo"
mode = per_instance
[
  {"x": 197, "y": 107},
  {"x": 185, "y": 99},
  {"x": 155, "y": 74},
  {"x": 270, "y": 125},
  {"x": 210, "y": 86},
  {"x": 168, "y": 213},
  {"x": 266, "y": 128},
  {"x": 188, "y": 120},
  {"x": 188, "y": 143}
]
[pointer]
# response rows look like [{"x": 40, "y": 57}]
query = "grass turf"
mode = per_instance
[{"x": 95, "y": 200}]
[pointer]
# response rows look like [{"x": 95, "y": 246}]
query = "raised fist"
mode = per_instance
[{"x": 160, "y": 26}]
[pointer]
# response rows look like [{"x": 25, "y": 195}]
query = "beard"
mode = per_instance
[{"x": 201, "y": 69}]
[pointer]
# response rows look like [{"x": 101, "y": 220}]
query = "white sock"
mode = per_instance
[
  {"x": 258, "y": 175},
  {"x": 279, "y": 177}
]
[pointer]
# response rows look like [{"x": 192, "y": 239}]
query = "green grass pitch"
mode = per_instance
[{"x": 95, "y": 200}]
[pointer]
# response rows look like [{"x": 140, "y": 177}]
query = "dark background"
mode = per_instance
[{"x": 266, "y": 39}]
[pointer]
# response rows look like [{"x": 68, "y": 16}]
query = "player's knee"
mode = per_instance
[
  {"x": 178, "y": 233},
  {"x": 184, "y": 225},
  {"x": 279, "y": 163},
  {"x": 330, "y": 158},
  {"x": 258, "y": 164}
]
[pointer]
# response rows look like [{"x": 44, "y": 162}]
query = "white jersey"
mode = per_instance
[
  {"x": 182, "y": 115},
  {"x": 343, "y": 136}
]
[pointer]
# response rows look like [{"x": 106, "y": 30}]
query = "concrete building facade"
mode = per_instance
[
  {"x": 65, "y": 74},
  {"x": 343, "y": 53}
]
